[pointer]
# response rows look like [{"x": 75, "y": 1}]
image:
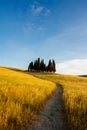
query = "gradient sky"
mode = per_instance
[{"x": 44, "y": 28}]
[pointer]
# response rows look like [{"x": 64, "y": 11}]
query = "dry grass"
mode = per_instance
[
  {"x": 21, "y": 98},
  {"x": 74, "y": 98}
]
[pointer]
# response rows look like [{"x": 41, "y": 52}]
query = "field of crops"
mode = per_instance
[
  {"x": 74, "y": 98},
  {"x": 21, "y": 98}
]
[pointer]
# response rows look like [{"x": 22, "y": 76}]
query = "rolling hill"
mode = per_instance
[{"x": 23, "y": 95}]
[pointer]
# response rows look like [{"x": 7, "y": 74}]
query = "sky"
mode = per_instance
[{"x": 47, "y": 29}]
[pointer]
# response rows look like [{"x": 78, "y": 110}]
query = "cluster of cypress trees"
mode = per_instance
[{"x": 39, "y": 65}]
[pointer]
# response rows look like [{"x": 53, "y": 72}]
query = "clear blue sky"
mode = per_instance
[{"x": 43, "y": 28}]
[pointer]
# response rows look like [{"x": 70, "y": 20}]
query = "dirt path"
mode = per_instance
[{"x": 53, "y": 117}]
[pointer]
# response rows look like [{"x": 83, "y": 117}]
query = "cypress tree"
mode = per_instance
[
  {"x": 38, "y": 64},
  {"x": 49, "y": 67},
  {"x": 30, "y": 67},
  {"x": 42, "y": 66},
  {"x": 54, "y": 66}
]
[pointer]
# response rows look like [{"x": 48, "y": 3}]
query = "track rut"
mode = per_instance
[{"x": 53, "y": 116}]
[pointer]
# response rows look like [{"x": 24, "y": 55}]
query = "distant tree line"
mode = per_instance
[{"x": 39, "y": 65}]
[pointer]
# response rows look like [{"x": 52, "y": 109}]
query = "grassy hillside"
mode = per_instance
[
  {"x": 74, "y": 98},
  {"x": 21, "y": 98}
]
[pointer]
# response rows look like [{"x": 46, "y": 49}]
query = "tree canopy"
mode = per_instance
[{"x": 39, "y": 65}]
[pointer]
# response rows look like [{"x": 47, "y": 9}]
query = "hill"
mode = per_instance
[
  {"x": 74, "y": 98},
  {"x": 21, "y": 97},
  {"x": 83, "y": 76}
]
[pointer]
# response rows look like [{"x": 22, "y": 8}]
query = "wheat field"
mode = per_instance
[
  {"x": 22, "y": 96},
  {"x": 74, "y": 98}
]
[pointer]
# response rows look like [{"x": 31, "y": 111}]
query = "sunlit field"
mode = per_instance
[
  {"x": 74, "y": 99},
  {"x": 22, "y": 96}
]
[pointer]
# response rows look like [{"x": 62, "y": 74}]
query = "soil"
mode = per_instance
[{"x": 53, "y": 116}]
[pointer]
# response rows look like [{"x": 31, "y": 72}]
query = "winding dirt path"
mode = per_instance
[{"x": 52, "y": 117}]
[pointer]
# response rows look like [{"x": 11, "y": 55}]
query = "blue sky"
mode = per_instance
[{"x": 47, "y": 29}]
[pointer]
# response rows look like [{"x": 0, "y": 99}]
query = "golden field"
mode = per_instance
[
  {"x": 74, "y": 98},
  {"x": 21, "y": 98},
  {"x": 23, "y": 95}
]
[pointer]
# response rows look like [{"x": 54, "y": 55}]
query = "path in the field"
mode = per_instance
[{"x": 53, "y": 116}]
